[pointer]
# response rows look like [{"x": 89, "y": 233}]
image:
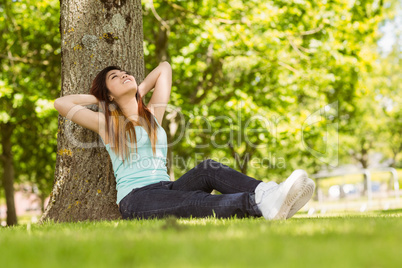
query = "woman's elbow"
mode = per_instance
[
  {"x": 166, "y": 64},
  {"x": 58, "y": 104}
]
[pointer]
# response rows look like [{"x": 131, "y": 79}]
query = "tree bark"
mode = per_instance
[
  {"x": 8, "y": 172},
  {"x": 364, "y": 161},
  {"x": 94, "y": 34}
]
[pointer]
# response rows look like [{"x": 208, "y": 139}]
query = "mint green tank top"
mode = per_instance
[{"x": 142, "y": 168}]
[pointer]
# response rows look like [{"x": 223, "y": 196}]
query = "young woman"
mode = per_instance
[{"x": 136, "y": 142}]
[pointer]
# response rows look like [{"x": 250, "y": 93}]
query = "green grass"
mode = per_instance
[{"x": 354, "y": 240}]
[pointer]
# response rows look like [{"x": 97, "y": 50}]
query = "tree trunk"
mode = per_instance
[
  {"x": 364, "y": 162},
  {"x": 42, "y": 199},
  {"x": 8, "y": 172},
  {"x": 162, "y": 44},
  {"x": 94, "y": 34}
]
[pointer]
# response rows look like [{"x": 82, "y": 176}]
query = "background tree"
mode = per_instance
[
  {"x": 389, "y": 97},
  {"x": 29, "y": 80},
  {"x": 280, "y": 60},
  {"x": 375, "y": 125}
]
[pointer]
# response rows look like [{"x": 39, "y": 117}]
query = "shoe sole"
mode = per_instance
[
  {"x": 308, "y": 192},
  {"x": 294, "y": 186}
]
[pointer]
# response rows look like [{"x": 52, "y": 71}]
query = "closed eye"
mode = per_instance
[{"x": 124, "y": 72}]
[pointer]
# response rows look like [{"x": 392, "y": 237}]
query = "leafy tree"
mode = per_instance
[
  {"x": 29, "y": 79},
  {"x": 280, "y": 60},
  {"x": 388, "y": 89}
]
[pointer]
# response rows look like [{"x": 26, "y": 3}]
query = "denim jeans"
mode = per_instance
[{"x": 190, "y": 195}]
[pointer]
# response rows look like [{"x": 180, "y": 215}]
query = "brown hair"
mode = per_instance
[{"x": 117, "y": 124}]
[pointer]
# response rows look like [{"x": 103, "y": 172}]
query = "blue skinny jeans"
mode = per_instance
[{"x": 190, "y": 195}]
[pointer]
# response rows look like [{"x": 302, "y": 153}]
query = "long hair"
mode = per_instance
[{"x": 118, "y": 126}]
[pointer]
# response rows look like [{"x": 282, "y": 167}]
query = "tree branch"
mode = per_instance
[
  {"x": 225, "y": 21},
  {"x": 296, "y": 48},
  {"x": 24, "y": 60},
  {"x": 209, "y": 60},
  {"x": 233, "y": 153},
  {"x": 287, "y": 66},
  {"x": 164, "y": 24},
  {"x": 316, "y": 30}
]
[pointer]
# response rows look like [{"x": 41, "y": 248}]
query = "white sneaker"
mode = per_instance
[
  {"x": 306, "y": 195},
  {"x": 275, "y": 201}
]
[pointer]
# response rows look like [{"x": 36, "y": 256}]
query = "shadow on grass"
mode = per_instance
[{"x": 390, "y": 211}]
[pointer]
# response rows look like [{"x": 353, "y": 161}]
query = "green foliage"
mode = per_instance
[
  {"x": 29, "y": 82},
  {"x": 280, "y": 60},
  {"x": 376, "y": 125}
]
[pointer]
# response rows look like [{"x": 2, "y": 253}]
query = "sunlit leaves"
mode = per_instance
[
  {"x": 29, "y": 81},
  {"x": 282, "y": 59}
]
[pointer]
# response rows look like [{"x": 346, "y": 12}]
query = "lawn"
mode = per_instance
[{"x": 348, "y": 240}]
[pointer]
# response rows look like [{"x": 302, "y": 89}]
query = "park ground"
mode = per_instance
[{"x": 371, "y": 239}]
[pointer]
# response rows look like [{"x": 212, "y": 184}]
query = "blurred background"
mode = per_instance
[{"x": 321, "y": 81}]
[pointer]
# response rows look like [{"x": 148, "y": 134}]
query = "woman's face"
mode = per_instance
[{"x": 119, "y": 83}]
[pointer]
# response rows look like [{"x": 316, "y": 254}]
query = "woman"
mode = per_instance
[{"x": 125, "y": 123}]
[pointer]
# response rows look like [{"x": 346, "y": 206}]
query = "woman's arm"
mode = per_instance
[
  {"x": 72, "y": 107},
  {"x": 161, "y": 79},
  {"x": 150, "y": 81}
]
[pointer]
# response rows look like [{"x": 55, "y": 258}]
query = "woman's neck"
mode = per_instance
[{"x": 129, "y": 107}]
